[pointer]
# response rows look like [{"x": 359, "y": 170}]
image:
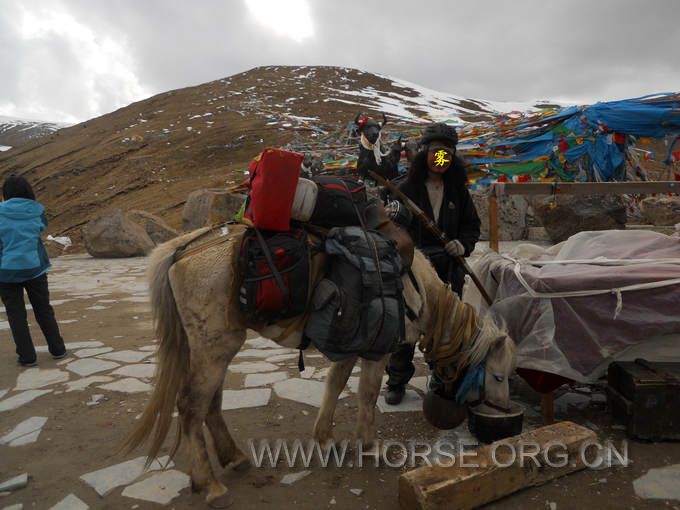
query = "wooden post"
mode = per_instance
[
  {"x": 492, "y": 472},
  {"x": 548, "y": 407},
  {"x": 493, "y": 220}
]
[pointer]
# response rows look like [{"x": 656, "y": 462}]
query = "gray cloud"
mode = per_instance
[{"x": 75, "y": 59}]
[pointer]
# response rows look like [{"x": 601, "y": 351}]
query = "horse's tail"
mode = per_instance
[{"x": 172, "y": 355}]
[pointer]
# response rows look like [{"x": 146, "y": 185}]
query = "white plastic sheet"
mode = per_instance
[{"x": 577, "y": 336}]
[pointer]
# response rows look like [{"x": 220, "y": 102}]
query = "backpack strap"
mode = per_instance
[{"x": 275, "y": 272}]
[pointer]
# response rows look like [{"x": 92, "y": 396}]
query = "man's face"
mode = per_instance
[{"x": 439, "y": 158}]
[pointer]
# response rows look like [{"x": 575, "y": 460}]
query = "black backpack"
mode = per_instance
[
  {"x": 358, "y": 309},
  {"x": 338, "y": 202},
  {"x": 275, "y": 271}
]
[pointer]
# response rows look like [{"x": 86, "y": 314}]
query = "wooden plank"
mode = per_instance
[
  {"x": 493, "y": 222},
  {"x": 461, "y": 488},
  {"x": 583, "y": 188}
]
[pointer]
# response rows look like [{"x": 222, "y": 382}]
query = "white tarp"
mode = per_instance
[{"x": 574, "y": 307}]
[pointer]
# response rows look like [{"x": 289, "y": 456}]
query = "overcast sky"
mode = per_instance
[{"x": 70, "y": 60}]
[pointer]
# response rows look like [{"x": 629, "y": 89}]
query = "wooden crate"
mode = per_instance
[{"x": 645, "y": 397}]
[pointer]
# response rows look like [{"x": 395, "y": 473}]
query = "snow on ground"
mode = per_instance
[{"x": 4, "y": 148}]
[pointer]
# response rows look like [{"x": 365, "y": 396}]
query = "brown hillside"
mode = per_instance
[{"x": 151, "y": 154}]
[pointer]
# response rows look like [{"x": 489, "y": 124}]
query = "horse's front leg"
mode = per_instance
[
  {"x": 335, "y": 383},
  {"x": 369, "y": 388}
]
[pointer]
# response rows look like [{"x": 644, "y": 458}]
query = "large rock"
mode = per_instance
[
  {"x": 158, "y": 230},
  {"x": 208, "y": 207},
  {"x": 563, "y": 216},
  {"x": 512, "y": 215},
  {"x": 661, "y": 210},
  {"x": 113, "y": 234}
]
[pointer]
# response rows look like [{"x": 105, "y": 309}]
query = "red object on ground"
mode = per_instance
[
  {"x": 542, "y": 382},
  {"x": 273, "y": 179},
  {"x": 619, "y": 138}
]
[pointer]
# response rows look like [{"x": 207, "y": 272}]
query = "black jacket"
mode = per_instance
[{"x": 458, "y": 217}]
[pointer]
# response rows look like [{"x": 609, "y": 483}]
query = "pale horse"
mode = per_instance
[{"x": 194, "y": 285}]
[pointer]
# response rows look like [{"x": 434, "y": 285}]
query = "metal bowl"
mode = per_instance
[
  {"x": 441, "y": 412},
  {"x": 489, "y": 423}
]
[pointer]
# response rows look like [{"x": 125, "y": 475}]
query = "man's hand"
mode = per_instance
[{"x": 455, "y": 248}]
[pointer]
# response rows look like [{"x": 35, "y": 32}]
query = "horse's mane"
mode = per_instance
[{"x": 490, "y": 329}]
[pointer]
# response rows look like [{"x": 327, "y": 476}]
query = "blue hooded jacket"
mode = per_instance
[{"x": 22, "y": 253}]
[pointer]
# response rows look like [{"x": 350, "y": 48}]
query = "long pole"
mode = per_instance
[{"x": 432, "y": 227}]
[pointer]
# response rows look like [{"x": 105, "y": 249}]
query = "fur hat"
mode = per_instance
[{"x": 441, "y": 133}]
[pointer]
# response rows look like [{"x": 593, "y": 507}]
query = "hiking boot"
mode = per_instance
[
  {"x": 394, "y": 395},
  {"x": 27, "y": 364},
  {"x": 60, "y": 356}
]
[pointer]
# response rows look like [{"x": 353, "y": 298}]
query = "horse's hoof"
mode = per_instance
[
  {"x": 223, "y": 501},
  {"x": 325, "y": 443},
  {"x": 240, "y": 464},
  {"x": 219, "y": 497}
]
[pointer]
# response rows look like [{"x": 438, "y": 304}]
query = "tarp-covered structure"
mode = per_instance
[{"x": 574, "y": 307}]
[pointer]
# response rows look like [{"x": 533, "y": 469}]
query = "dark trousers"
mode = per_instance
[
  {"x": 400, "y": 366},
  {"x": 12, "y": 295}
]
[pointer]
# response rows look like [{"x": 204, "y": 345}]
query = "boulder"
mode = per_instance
[
  {"x": 512, "y": 215},
  {"x": 208, "y": 207},
  {"x": 113, "y": 234},
  {"x": 158, "y": 230},
  {"x": 563, "y": 216},
  {"x": 661, "y": 210},
  {"x": 53, "y": 249}
]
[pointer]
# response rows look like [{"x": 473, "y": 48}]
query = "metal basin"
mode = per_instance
[{"x": 489, "y": 423}]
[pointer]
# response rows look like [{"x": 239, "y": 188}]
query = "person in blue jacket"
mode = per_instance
[{"x": 23, "y": 265}]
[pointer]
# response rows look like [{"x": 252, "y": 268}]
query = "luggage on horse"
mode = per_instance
[
  {"x": 338, "y": 202},
  {"x": 358, "y": 309},
  {"x": 275, "y": 271},
  {"x": 273, "y": 181}
]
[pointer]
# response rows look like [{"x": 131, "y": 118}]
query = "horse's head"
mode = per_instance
[
  {"x": 370, "y": 128},
  {"x": 472, "y": 357}
]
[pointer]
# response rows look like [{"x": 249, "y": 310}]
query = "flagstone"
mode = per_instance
[
  {"x": 106, "y": 479},
  {"x": 73, "y": 345},
  {"x": 70, "y": 502},
  {"x": 21, "y": 398},
  {"x": 252, "y": 367},
  {"x": 281, "y": 357},
  {"x": 81, "y": 384},
  {"x": 143, "y": 370},
  {"x": 89, "y": 366},
  {"x": 4, "y": 392},
  {"x": 419, "y": 382},
  {"x": 149, "y": 348},
  {"x": 86, "y": 353},
  {"x": 129, "y": 385},
  {"x": 25, "y": 432},
  {"x": 241, "y": 399},
  {"x": 125, "y": 356},
  {"x": 159, "y": 488},
  {"x": 659, "y": 483},
  {"x": 34, "y": 378},
  {"x": 264, "y": 379},
  {"x": 261, "y": 353},
  {"x": 18, "y": 482},
  {"x": 304, "y": 391},
  {"x": 262, "y": 343}
]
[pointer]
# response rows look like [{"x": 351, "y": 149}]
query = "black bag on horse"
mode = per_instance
[
  {"x": 275, "y": 271},
  {"x": 338, "y": 202},
  {"x": 358, "y": 309}
]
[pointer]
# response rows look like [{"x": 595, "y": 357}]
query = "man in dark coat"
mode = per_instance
[{"x": 436, "y": 182}]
